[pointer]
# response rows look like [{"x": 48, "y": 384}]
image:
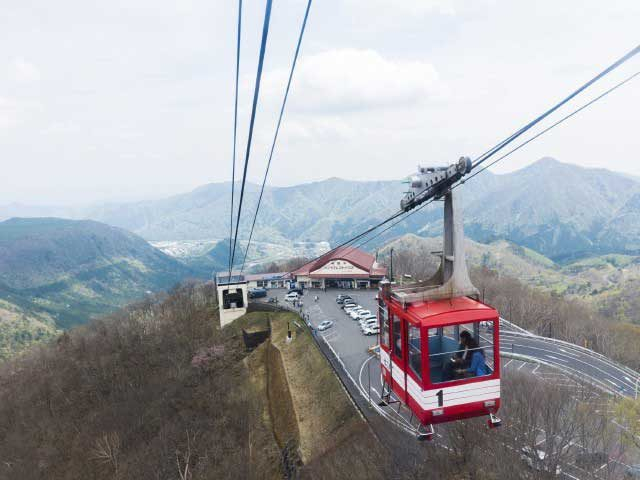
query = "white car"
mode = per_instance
[
  {"x": 363, "y": 314},
  {"x": 348, "y": 306},
  {"x": 348, "y": 310},
  {"x": 355, "y": 313},
  {"x": 324, "y": 325},
  {"x": 290, "y": 297},
  {"x": 374, "y": 330},
  {"x": 370, "y": 324},
  {"x": 366, "y": 319}
]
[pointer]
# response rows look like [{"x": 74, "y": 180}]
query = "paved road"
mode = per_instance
[{"x": 573, "y": 360}]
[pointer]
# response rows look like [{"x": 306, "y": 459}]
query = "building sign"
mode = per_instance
[{"x": 339, "y": 267}]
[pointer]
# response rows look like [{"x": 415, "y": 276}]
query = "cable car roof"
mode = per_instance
[{"x": 440, "y": 313}]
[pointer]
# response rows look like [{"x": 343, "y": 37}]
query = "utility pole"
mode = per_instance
[{"x": 391, "y": 265}]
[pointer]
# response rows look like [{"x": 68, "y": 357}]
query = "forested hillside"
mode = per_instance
[{"x": 56, "y": 273}]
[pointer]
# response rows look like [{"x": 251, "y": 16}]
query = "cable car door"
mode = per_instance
[{"x": 399, "y": 355}]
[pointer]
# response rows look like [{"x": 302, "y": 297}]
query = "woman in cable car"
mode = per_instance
[{"x": 441, "y": 358}]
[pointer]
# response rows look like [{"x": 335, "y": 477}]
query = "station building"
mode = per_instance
[
  {"x": 270, "y": 280},
  {"x": 345, "y": 267}
]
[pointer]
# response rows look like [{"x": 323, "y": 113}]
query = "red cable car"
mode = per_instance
[{"x": 439, "y": 345}]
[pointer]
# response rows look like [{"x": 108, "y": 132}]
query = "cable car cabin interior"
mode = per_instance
[
  {"x": 441, "y": 357},
  {"x": 232, "y": 298}
]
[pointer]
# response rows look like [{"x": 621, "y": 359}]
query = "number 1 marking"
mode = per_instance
[{"x": 440, "y": 396}]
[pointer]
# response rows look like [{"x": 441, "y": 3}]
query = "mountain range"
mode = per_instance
[
  {"x": 56, "y": 273},
  {"x": 557, "y": 209}
]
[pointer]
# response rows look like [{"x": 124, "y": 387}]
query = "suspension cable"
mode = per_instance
[
  {"x": 235, "y": 131},
  {"x": 263, "y": 46},
  {"x": 275, "y": 137},
  {"x": 535, "y": 121},
  {"x": 359, "y": 236},
  {"x": 566, "y": 117}
]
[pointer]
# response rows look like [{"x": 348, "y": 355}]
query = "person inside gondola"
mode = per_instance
[
  {"x": 478, "y": 366},
  {"x": 460, "y": 361}
]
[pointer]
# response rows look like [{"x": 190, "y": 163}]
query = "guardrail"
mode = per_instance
[{"x": 527, "y": 333}]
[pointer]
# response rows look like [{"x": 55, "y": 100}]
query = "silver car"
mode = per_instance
[{"x": 324, "y": 325}]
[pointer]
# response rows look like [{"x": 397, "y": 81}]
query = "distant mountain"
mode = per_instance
[
  {"x": 70, "y": 270},
  {"x": 557, "y": 209},
  {"x": 317, "y": 211}
]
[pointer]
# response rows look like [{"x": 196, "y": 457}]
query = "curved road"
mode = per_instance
[{"x": 571, "y": 359}]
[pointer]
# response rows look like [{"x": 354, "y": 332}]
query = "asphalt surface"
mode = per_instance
[{"x": 603, "y": 373}]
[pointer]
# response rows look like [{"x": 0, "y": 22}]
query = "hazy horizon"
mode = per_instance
[{"x": 169, "y": 192}]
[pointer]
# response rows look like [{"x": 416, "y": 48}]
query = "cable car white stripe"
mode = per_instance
[{"x": 456, "y": 395}]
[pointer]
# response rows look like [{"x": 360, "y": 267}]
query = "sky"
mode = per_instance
[{"x": 122, "y": 100}]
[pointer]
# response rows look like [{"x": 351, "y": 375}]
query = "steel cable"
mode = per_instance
[
  {"x": 275, "y": 137},
  {"x": 256, "y": 93}
]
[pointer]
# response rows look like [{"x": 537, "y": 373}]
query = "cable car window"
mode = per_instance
[
  {"x": 384, "y": 319},
  {"x": 397, "y": 336},
  {"x": 232, "y": 299},
  {"x": 415, "y": 351},
  {"x": 461, "y": 351}
]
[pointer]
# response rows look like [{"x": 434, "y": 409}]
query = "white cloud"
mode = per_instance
[
  {"x": 353, "y": 79},
  {"x": 321, "y": 128},
  {"x": 405, "y": 7},
  {"x": 9, "y": 113},
  {"x": 24, "y": 72}
]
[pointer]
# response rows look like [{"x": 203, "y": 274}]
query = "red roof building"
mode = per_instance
[{"x": 345, "y": 267}]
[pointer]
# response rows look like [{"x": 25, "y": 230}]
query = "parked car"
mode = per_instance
[
  {"x": 324, "y": 325},
  {"x": 353, "y": 311},
  {"x": 369, "y": 319},
  {"x": 374, "y": 330},
  {"x": 257, "y": 292},
  {"x": 368, "y": 324},
  {"x": 340, "y": 301},
  {"x": 299, "y": 291},
  {"x": 347, "y": 305},
  {"x": 290, "y": 297},
  {"x": 350, "y": 306},
  {"x": 359, "y": 313}
]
